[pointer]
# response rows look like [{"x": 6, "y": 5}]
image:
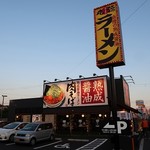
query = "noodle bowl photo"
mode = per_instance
[{"x": 54, "y": 96}]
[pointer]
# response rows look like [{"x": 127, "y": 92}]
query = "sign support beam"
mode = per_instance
[{"x": 114, "y": 107}]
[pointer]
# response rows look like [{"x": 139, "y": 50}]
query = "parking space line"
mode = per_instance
[
  {"x": 10, "y": 144},
  {"x": 58, "y": 139},
  {"x": 47, "y": 145},
  {"x": 93, "y": 144},
  {"x": 141, "y": 144},
  {"x": 80, "y": 140}
]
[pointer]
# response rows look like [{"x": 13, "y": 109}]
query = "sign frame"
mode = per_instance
[
  {"x": 108, "y": 36},
  {"x": 92, "y": 91}
]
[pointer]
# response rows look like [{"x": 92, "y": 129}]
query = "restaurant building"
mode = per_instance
[{"x": 81, "y": 105}]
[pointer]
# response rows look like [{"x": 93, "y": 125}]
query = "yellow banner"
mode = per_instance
[{"x": 108, "y": 39}]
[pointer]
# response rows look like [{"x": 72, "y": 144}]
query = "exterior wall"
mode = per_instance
[
  {"x": 49, "y": 118},
  {"x": 20, "y": 107},
  {"x": 26, "y": 118}
]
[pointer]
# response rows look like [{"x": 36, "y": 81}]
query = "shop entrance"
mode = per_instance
[
  {"x": 80, "y": 123},
  {"x": 71, "y": 124}
]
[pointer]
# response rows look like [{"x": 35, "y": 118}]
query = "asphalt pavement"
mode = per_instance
[
  {"x": 82, "y": 143},
  {"x": 145, "y": 142},
  {"x": 125, "y": 142}
]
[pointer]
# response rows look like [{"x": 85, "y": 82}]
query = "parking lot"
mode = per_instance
[{"x": 59, "y": 143}]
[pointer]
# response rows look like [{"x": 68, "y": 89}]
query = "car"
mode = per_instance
[
  {"x": 8, "y": 131},
  {"x": 3, "y": 123},
  {"x": 35, "y": 132}
]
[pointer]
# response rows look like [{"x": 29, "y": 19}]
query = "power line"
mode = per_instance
[
  {"x": 83, "y": 60},
  {"x": 134, "y": 12},
  {"x": 23, "y": 87},
  {"x": 141, "y": 5}
]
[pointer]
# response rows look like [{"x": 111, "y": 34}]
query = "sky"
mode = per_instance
[{"x": 48, "y": 39}]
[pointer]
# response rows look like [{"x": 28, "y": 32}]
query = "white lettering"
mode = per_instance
[{"x": 121, "y": 126}]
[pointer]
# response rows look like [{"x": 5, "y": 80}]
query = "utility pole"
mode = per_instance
[{"x": 2, "y": 105}]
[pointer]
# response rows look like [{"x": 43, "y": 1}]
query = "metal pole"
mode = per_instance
[
  {"x": 2, "y": 105},
  {"x": 114, "y": 107}
]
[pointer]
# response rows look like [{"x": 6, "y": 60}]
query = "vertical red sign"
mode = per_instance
[{"x": 92, "y": 91}]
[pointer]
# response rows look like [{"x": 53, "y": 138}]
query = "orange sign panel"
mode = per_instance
[{"x": 108, "y": 39}]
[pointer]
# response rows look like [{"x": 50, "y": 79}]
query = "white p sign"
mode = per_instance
[{"x": 121, "y": 125}]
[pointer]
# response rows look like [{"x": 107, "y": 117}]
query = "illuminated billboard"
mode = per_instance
[
  {"x": 126, "y": 93},
  {"x": 108, "y": 38},
  {"x": 76, "y": 93},
  {"x": 140, "y": 103},
  {"x": 122, "y": 91}
]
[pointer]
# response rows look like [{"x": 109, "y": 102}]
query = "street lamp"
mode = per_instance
[
  {"x": 94, "y": 75},
  {"x": 68, "y": 78},
  {"x": 56, "y": 80},
  {"x": 81, "y": 76},
  {"x": 2, "y": 105},
  {"x": 46, "y": 81}
]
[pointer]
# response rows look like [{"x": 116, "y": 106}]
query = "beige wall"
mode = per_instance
[{"x": 26, "y": 118}]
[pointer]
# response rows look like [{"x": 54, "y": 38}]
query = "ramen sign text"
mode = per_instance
[{"x": 108, "y": 39}]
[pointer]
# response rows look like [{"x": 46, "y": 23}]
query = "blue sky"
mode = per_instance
[{"x": 48, "y": 39}]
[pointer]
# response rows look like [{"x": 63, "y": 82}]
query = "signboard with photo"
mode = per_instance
[
  {"x": 76, "y": 93},
  {"x": 36, "y": 118}
]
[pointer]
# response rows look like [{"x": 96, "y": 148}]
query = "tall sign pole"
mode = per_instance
[
  {"x": 114, "y": 107},
  {"x": 109, "y": 50},
  {"x": 2, "y": 105}
]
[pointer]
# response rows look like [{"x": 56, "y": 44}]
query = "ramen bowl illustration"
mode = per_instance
[{"x": 53, "y": 96}]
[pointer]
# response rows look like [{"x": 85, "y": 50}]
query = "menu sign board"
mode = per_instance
[{"x": 76, "y": 93}]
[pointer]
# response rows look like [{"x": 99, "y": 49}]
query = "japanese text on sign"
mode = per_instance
[
  {"x": 74, "y": 93},
  {"x": 109, "y": 49}
]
